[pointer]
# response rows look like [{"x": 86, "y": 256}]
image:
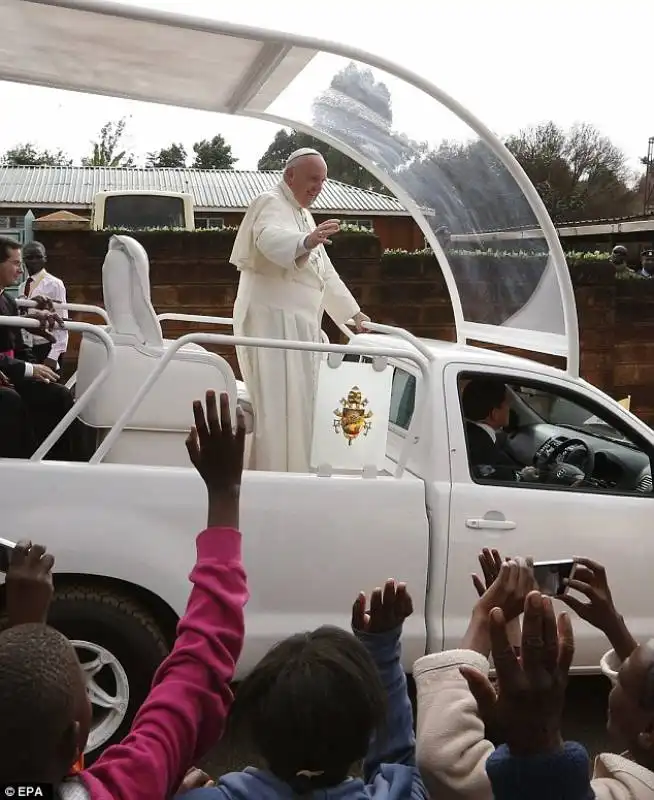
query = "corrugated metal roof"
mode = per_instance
[{"x": 219, "y": 190}]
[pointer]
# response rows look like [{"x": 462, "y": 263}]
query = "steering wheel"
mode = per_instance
[{"x": 572, "y": 452}]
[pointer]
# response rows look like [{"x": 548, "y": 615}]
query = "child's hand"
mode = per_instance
[
  {"x": 29, "y": 584},
  {"x": 509, "y": 590},
  {"x": 216, "y": 451},
  {"x": 388, "y": 609},
  {"x": 490, "y": 562},
  {"x": 195, "y": 779},
  {"x": 213, "y": 447}
]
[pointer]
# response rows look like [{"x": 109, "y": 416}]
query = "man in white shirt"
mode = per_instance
[
  {"x": 286, "y": 282},
  {"x": 42, "y": 284}
]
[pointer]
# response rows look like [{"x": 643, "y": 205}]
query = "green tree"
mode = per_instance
[
  {"x": 106, "y": 150},
  {"x": 213, "y": 154},
  {"x": 28, "y": 155},
  {"x": 339, "y": 166},
  {"x": 173, "y": 156},
  {"x": 578, "y": 173}
]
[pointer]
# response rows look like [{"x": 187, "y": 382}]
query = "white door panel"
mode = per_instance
[
  {"x": 309, "y": 544},
  {"x": 548, "y": 523},
  {"x": 555, "y": 524}
]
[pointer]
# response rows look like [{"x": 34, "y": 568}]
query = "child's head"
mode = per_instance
[
  {"x": 311, "y": 705},
  {"x": 631, "y": 704},
  {"x": 45, "y": 712}
]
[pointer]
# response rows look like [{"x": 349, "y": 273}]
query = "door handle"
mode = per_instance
[{"x": 491, "y": 524}]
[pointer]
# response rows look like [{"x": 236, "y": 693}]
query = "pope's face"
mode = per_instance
[{"x": 306, "y": 179}]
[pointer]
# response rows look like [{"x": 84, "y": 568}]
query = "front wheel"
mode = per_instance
[{"x": 120, "y": 646}]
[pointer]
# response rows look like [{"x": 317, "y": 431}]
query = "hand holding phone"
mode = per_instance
[{"x": 552, "y": 576}]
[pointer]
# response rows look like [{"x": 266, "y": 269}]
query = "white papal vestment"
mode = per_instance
[{"x": 282, "y": 293}]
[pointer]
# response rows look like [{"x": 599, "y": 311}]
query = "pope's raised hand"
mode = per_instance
[{"x": 322, "y": 233}]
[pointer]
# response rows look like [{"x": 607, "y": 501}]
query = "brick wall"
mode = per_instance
[{"x": 190, "y": 273}]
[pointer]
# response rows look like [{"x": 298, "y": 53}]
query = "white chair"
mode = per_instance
[{"x": 155, "y": 435}]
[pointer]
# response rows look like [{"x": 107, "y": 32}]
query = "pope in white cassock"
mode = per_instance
[{"x": 286, "y": 282}]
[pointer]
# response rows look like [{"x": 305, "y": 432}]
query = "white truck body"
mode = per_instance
[{"x": 122, "y": 526}]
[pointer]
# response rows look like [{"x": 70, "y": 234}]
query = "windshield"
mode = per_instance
[
  {"x": 557, "y": 410},
  {"x": 143, "y": 211}
]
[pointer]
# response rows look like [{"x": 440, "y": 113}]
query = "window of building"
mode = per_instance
[
  {"x": 209, "y": 222},
  {"x": 362, "y": 223},
  {"x": 12, "y": 222}
]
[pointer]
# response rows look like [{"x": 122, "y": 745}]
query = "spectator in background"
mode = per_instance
[
  {"x": 619, "y": 256},
  {"x": 46, "y": 401},
  {"x": 41, "y": 283},
  {"x": 646, "y": 263},
  {"x": 444, "y": 237}
]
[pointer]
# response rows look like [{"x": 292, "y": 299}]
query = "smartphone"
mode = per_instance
[
  {"x": 551, "y": 576},
  {"x": 6, "y": 549}
]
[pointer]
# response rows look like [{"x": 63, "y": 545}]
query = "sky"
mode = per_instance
[{"x": 513, "y": 63}]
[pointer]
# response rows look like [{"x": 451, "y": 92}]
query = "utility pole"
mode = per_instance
[{"x": 648, "y": 189}]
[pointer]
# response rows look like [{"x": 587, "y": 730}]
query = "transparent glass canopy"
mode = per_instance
[
  {"x": 498, "y": 250},
  {"x": 471, "y": 209}
]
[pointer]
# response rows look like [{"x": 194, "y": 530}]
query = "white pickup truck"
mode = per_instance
[{"x": 122, "y": 526}]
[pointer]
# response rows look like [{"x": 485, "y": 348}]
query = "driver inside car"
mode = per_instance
[{"x": 486, "y": 407}]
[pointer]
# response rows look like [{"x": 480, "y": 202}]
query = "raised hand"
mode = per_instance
[
  {"x": 589, "y": 579},
  {"x": 320, "y": 235},
  {"x": 529, "y": 706},
  {"x": 490, "y": 562},
  {"x": 389, "y": 607},
  {"x": 508, "y": 591},
  {"x": 216, "y": 451},
  {"x": 29, "y": 584}
]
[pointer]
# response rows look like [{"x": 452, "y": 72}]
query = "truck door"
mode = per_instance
[{"x": 607, "y": 518}]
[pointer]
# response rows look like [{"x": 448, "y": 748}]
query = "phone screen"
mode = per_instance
[
  {"x": 6, "y": 549},
  {"x": 551, "y": 576}
]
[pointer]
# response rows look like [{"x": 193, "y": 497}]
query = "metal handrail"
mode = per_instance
[
  {"x": 195, "y": 318},
  {"x": 23, "y": 302},
  {"x": 401, "y": 333},
  {"x": 211, "y": 321},
  {"x": 274, "y": 344},
  {"x": 81, "y": 402}
]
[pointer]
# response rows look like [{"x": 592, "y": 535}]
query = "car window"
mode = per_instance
[
  {"x": 403, "y": 398},
  {"x": 551, "y": 439},
  {"x": 558, "y": 410}
]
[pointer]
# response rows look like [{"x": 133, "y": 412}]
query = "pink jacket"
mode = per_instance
[{"x": 185, "y": 712}]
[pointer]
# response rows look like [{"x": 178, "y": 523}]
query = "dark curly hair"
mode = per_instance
[
  {"x": 40, "y": 677},
  {"x": 311, "y": 705}
]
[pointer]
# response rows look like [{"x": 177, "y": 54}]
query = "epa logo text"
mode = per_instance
[{"x": 40, "y": 790}]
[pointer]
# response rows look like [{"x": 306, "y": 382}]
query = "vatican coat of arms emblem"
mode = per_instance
[{"x": 352, "y": 419}]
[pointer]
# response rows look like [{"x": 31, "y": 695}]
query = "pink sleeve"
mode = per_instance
[{"x": 185, "y": 712}]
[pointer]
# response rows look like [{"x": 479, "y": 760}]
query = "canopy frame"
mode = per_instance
[{"x": 274, "y": 66}]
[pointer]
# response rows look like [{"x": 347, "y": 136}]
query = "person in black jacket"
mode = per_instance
[
  {"x": 35, "y": 399},
  {"x": 486, "y": 408}
]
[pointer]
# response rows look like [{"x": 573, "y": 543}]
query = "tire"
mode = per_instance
[{"x": 121, "y": 636}]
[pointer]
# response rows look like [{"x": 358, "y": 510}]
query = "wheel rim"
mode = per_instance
[{"x": 107, "y": 686}]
